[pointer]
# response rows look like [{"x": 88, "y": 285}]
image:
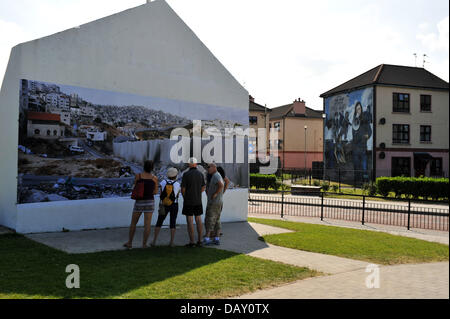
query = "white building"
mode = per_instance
[
  {"x": 87, "y": 111},
  {"x": 169, "y": 62},
  {"x": 44, "y": 125},
  {"x": 96, "y": 136},
  {"x": 52, "y": 99}
]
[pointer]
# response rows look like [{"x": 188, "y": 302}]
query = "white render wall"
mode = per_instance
[
  {"x": 108, "y": 212},
  {"x": 147, "y": 50}
]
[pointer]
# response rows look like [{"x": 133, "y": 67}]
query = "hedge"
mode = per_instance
[
  {"x": 262, "y": 181},
  {"x": 413, "y": 187}
]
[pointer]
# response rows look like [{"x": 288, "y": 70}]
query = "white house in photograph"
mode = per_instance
[
  {"x": 147, "y": 50},
  {"x": 96, "y": 136},
  {"x": 44, "y": 125}
]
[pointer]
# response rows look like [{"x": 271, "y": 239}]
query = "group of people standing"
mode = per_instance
[{"x": 191, "y": 188}]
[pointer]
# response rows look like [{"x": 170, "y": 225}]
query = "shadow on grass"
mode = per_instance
[{"x": 32, "y": 270}]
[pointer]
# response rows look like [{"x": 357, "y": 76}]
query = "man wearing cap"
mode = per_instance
[
  {"x": 192, "y": 187},
  {"x": 168, "y": 204}
]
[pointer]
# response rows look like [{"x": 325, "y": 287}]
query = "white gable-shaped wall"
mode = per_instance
[{"x": 148, "y": 51}]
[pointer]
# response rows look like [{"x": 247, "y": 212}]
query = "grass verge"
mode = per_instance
[
  {"x": 371, "y": 246},
  {"x": 32, "y": 270}
]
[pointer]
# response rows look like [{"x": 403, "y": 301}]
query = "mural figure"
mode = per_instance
[
  {"x": 348, "y": 135},
  {"x": 361, "y": 132}
]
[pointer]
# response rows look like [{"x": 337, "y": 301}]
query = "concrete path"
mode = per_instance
[
  {"x": 423, "y": 281},
  {"x": 238, "y": 237},
  {"x": 423, "y": 234}
]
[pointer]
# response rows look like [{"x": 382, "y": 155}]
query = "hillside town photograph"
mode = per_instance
[
  {"x": 293, "y": 156},
  {"x": 91, "y": 150}
]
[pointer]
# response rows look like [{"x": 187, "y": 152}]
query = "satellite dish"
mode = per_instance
[
  {"x": 382, "y": 121},
  {"x": 382, "y": 145},
  {"x": 382, "y": 155}
]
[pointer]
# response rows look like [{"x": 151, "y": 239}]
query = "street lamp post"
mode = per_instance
[
  {"x": 324, "y": 117},
  {"x": 306, "y": 127}
]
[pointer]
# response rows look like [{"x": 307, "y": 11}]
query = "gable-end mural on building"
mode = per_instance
[
  {"x": 81, "y": 143},
  {"x": 349, "y": 134}
]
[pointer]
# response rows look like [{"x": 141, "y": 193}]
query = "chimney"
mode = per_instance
[
  {"x": 251, "y": 98},
  {"x": 299, "y": 106}
]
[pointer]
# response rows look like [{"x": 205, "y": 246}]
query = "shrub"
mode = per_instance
[
  {"x": 369, "y": 189},
  {"x": 325, "y": 187},
  {"x": 334, "y": 188},
  {"x": 316, "y": 182},
  {"x": 413, "y": 187},
  {"x": 261, "y": 181}
]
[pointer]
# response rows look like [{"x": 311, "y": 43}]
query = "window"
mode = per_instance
[
  {"x": 425, "y": 103},
  {"x": 276, "y": 126},
  {"x": 436, "y": 167},
  {"x": 37, "y": 132},
  {"x": 425, "y": 133},
  {"x": 48, "y": 132},
  {"x": 253, "y": 119},
  {"x": 55, "y": 132},
  {"x": 401, "y": 166},
  {"x": 401, "y": 102},
  {"x": 400, "y": 134}
]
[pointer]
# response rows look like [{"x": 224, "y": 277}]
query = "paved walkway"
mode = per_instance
[
  {"x": 344, "y": 278},
  {"x": 422, "y": 281}
]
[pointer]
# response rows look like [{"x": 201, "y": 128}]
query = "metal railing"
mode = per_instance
[{"x": 391, "y": 211}]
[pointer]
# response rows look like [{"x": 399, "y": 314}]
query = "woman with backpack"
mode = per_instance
[
  {"x": 168, "y": 203},
  {"x": 144, "y": 189}
]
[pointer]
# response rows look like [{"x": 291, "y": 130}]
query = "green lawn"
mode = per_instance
[
  {"x": 371, "y": 246},
  {"x": 32, "y": 270}
]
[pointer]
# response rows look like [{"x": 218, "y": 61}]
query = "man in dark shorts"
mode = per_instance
[{"x": 192, "y": 187}]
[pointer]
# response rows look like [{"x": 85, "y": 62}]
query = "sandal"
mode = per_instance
[
  {"x": 190, "y": 245},
  {"x": 126, "y": 245}
]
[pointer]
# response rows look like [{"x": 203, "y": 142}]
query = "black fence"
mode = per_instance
[{"x": 361, "y": 208}]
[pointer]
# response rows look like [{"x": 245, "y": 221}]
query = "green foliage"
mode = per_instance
[
  {"x": 334, "y": 188},
  {"x": 369, "y": 189},
  {"x": 262, "y": 181},
  {"x": 326, "y": 186},
  {"x": 413, "y": 187},
  {"x": 316, "y": 182}
]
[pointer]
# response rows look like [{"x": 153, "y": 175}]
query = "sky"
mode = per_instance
[
  {"x": 278, "y": 50},
  {"x": 188, "y": 110}
]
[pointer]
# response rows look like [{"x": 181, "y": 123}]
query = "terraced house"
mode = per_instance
[
  {"x": 404, "y": 112},
  {"x": 300, "y": 135}
]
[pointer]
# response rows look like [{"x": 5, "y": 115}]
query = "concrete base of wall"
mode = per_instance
[{"x": 109, "y": 213}]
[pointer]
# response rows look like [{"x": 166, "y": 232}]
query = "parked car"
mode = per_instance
[{"x": 76, "y": 149}]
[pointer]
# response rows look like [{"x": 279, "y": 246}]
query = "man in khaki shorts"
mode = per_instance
[{"x": 213, "y": 206}]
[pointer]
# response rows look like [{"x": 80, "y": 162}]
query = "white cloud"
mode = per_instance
[{"x": 436, "y": 41}]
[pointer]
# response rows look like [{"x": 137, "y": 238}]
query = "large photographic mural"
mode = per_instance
[
  {"x": 81, "y": 143},
  {"x": 349, "y": 133}
]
